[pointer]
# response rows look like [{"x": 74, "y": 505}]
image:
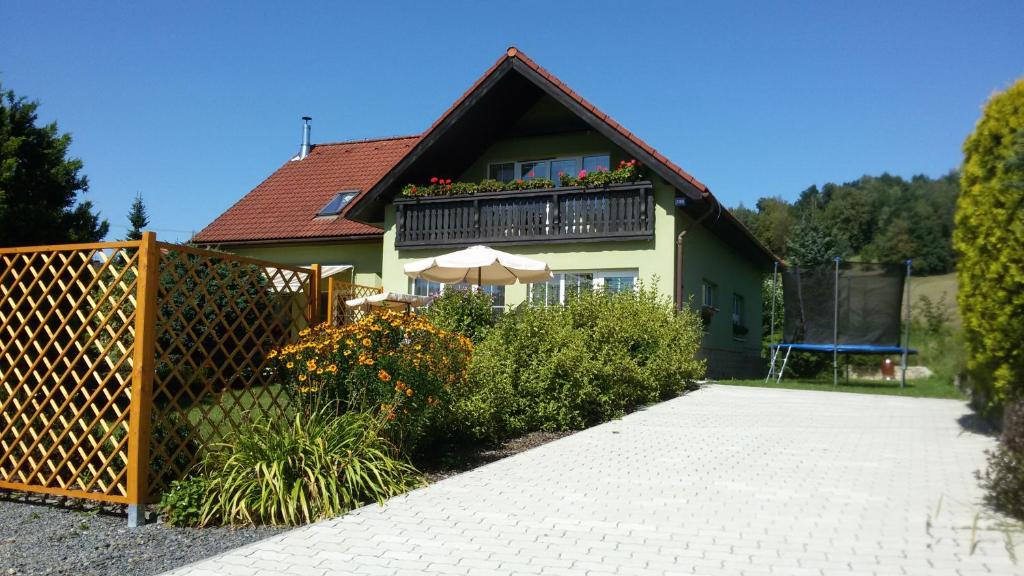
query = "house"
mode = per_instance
[{"x": 344, "y": 203}]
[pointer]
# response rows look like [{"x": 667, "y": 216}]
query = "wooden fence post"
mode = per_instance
[
  {"x": 314, "y": 300},
  {"x": 140, "y": 416},
  {"x": 330, "y": 301}
]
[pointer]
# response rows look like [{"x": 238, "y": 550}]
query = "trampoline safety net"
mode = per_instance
[{"x": 870, "y": 301}]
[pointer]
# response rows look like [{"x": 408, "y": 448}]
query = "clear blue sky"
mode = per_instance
[{"x": 192, "y": 105}]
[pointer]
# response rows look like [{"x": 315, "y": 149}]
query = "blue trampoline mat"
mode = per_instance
[{"x": 846, "y": 348}]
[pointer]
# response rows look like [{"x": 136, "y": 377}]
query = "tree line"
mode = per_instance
[{"x": 874, "y": 218}]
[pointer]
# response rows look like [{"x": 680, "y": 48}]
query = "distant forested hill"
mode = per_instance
[{"x": 877, "y": 218}]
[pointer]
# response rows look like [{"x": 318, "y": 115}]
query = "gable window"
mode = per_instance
[
  {"x": 548, "y": 168},
  {"x": 337, "y": 203},
  {"x": 563, "y": 166},
  {"x": 596, "y": 163},
  {"x": 504, "y": 172},
  {"x": 534, "y": 169}
]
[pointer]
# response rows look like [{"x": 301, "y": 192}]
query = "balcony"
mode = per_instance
[{"x": 616, "y": 212}]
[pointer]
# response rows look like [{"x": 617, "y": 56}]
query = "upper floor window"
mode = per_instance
[
  {"x": 504, "y": 172},
  {"x": 337, "y": 203},
  {"x": 534, "y": 169},
  {"x": 547, "y": 168}
]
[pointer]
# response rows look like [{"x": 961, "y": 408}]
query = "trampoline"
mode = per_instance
[{"x": 848, "y": 308}]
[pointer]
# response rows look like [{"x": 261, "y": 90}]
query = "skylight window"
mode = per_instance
[{"x": 340, "y": 200}]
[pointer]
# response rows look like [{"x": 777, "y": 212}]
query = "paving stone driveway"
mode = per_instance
[{"x": 726, "y": 480}]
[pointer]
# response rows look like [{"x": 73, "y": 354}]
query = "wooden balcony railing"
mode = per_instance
[{"x": 616, "y": 212}]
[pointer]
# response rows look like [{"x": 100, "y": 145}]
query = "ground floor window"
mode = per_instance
[
  {"x": 421, "y": 287},
  {"x": 564, "y": 285}
]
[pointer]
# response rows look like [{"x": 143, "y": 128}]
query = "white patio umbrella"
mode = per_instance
[{"x": 479, "y": 265}]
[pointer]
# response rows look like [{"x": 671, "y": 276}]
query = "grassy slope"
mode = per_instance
[{"x": 935, "y": 287}]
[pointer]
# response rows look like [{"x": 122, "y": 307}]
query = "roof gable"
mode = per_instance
[{"x": 495, "y": 102}]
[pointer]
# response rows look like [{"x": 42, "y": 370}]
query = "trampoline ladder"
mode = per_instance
[{"x": 774, "y": 360}]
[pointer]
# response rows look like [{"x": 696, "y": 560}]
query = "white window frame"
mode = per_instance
[
  {"x": 598, "y": 278},
  {"x": 705, "y": 285},
  {"x": 517, "y": 172},
  {"x": 473, "y": 287}
]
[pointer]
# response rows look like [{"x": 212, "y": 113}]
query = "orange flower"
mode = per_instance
[
  {"x": 408, "y": 391},
  {"x": 383, "y": 375},
  {"x": 367, "y": 342}
]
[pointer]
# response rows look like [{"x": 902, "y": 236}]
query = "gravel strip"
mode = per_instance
[
  {"x": 60, "y": 536},
  {"x": 457, "y": 463},
  {"x": 67, "y": 537}
]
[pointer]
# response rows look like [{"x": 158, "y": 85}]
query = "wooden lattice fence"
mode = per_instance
[
  {"x": 338, "y": 292},
  {"x": 120, "y": 361}
]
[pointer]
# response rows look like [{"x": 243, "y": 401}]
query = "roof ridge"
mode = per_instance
[{"x": 366, "y": 140}]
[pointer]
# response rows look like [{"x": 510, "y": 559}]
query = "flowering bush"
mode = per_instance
[
  {"x": 445, "y": 187},
  {"x": 398, "y": 364},
  {"x": 627, "y": 171}
]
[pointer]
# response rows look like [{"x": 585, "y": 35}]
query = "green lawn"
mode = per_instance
[{"x": 934, "y": 387}]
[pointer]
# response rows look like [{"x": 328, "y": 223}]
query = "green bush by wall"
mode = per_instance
[
  {"x": 569, "y": 367},
  {"x": 989, "y": 237}
]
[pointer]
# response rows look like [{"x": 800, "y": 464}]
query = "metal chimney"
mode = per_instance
[{"x": 304, "y": 150}]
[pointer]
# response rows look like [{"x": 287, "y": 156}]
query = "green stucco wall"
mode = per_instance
[
  {"x": 364, "y": 255},
  {"x": 706, "y": 257},
  {"x": 652, "y": 259}
]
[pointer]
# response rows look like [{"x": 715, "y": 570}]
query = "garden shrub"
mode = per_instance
[
  {"x": 465, "y": 312},
  {"x": 398, "y": 364},
  {"x": 184, "y": 501},
  {"x": 989, "y": 238},
  {"x": 1003, "y": 481},
  {"x": 293, "y": 471},
  {"x": 574, "y": 366}
]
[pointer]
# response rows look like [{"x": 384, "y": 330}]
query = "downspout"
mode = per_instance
[{"x": 680, "y": 294}]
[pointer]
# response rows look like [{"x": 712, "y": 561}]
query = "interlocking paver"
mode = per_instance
[{"x": 726, "y": 480}]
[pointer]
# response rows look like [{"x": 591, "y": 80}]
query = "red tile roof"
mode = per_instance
[{"x": 284, "y": 205}]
